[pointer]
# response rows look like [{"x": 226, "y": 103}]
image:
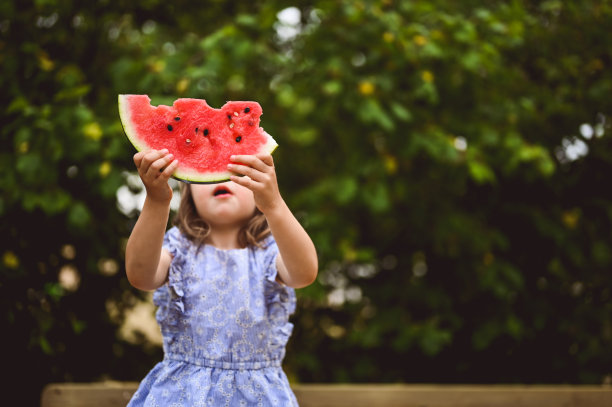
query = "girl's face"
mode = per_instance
[{"x": 222, "y": 205}]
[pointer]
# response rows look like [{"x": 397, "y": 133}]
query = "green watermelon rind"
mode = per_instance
[{"x": 182, "y": 175}]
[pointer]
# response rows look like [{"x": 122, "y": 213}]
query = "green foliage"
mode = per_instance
[{"x": 448, "y": 159}]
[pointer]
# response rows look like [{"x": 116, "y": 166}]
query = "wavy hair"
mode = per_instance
[{"x": 197, "y": 230}]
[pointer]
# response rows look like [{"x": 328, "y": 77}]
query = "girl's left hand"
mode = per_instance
[{"x": 258, "y": 175}]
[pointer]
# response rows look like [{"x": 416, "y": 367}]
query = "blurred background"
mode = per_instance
[{"x": 449, "y": 160}]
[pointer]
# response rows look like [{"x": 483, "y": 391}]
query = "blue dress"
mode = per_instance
[{"x": 225, "y": 324}]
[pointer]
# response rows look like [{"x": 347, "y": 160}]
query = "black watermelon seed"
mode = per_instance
[
  {"x": 170, "y": 127},
  {"x": 229, "y": 116},
  {"x": 196, "y": 129},
  {"x": 238, "y": 139},
  {"x": 177, "y": 118},
  {"x": 206, "y": 132},
  {"x": 246, "y": 110}
]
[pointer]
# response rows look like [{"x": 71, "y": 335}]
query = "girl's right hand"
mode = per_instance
[{"x": 155, "y": 167}]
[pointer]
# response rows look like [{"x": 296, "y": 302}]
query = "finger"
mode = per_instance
[
  {"x": 251, "y": 161},
  {"x": 158, "y": 165},
  {"x": 247, "y": 171},
  {"x": 245, "y": 181},
  {"x": 150, "y": 157},
  {"x": 169, "y": 170},
  {"x": 138, "y": 158},
  {"x": 266, "y": 159}
]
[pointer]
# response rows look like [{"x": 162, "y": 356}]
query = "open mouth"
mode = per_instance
[{"x": 221, "y": 190}]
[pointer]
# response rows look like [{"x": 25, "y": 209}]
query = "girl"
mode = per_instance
[{"x": 224, "y": 279}]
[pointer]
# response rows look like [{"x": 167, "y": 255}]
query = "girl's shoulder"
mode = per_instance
[
  {"x": 173, "y": 233},
  {"x": 268, "y": 241},
  {"x": 174, "y": 239},
  {"x": 266, "y": 252},
  {"x": 266, "y": 246}
]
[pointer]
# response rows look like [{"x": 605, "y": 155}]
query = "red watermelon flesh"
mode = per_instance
[{"x": 200, "y": 137}]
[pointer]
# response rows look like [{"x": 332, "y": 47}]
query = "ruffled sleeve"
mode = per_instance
[
  {"x": 276, "y": 293},
  {"x": 280, "y": 300},
  {"x": 174, "y": 242},
  {"x": 270, "y": 253},
  {"x": 169, "y": 297}
]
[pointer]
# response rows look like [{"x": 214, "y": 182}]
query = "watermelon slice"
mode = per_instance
[{"x": 200, "y": 137}]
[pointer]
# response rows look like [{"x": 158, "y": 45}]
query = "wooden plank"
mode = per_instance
[
  {"x": 103, "y": 394},
  {"x": 115, "y": 394},
  {"x": 452, "y": 396}
]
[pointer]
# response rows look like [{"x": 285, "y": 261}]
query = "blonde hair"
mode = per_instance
[{"x": 197, "y": 230}]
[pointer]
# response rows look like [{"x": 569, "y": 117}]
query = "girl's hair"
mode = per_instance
[{"x": 196, "y": 229}]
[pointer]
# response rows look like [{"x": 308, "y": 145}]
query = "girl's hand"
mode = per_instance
[
  {"x": 155, "y": 168},
  {"x": 259, "y": 176}
]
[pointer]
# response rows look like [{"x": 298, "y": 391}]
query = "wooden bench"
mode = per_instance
[{"x": 116, "y": 394}]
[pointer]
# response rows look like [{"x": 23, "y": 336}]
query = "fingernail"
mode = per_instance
[{"x": 233, "y": 157}]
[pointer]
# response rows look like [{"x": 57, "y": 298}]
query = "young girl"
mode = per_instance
[{"x": 224, "y": 279}]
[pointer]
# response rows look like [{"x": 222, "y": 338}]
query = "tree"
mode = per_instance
[{"x": 448, "y": 160}]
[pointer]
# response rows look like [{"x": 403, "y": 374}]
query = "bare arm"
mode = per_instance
[
  {"x": 146, "y": 262},
  {"x": 297, "y": 263}
]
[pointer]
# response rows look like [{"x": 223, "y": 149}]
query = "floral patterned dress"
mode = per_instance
[{"x": 225, "y": 324}]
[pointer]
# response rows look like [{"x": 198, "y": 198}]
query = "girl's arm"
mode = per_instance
[
  {"x": 146, "y": 263},
  {"x": 297, "y": 263}
]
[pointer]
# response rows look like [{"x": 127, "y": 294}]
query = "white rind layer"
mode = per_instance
[
  {"x": 128, "y": 125},
  {"x": 192, "y": 177}
]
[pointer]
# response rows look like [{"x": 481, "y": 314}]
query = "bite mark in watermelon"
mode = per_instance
[{"x": 200, "y": 137}]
